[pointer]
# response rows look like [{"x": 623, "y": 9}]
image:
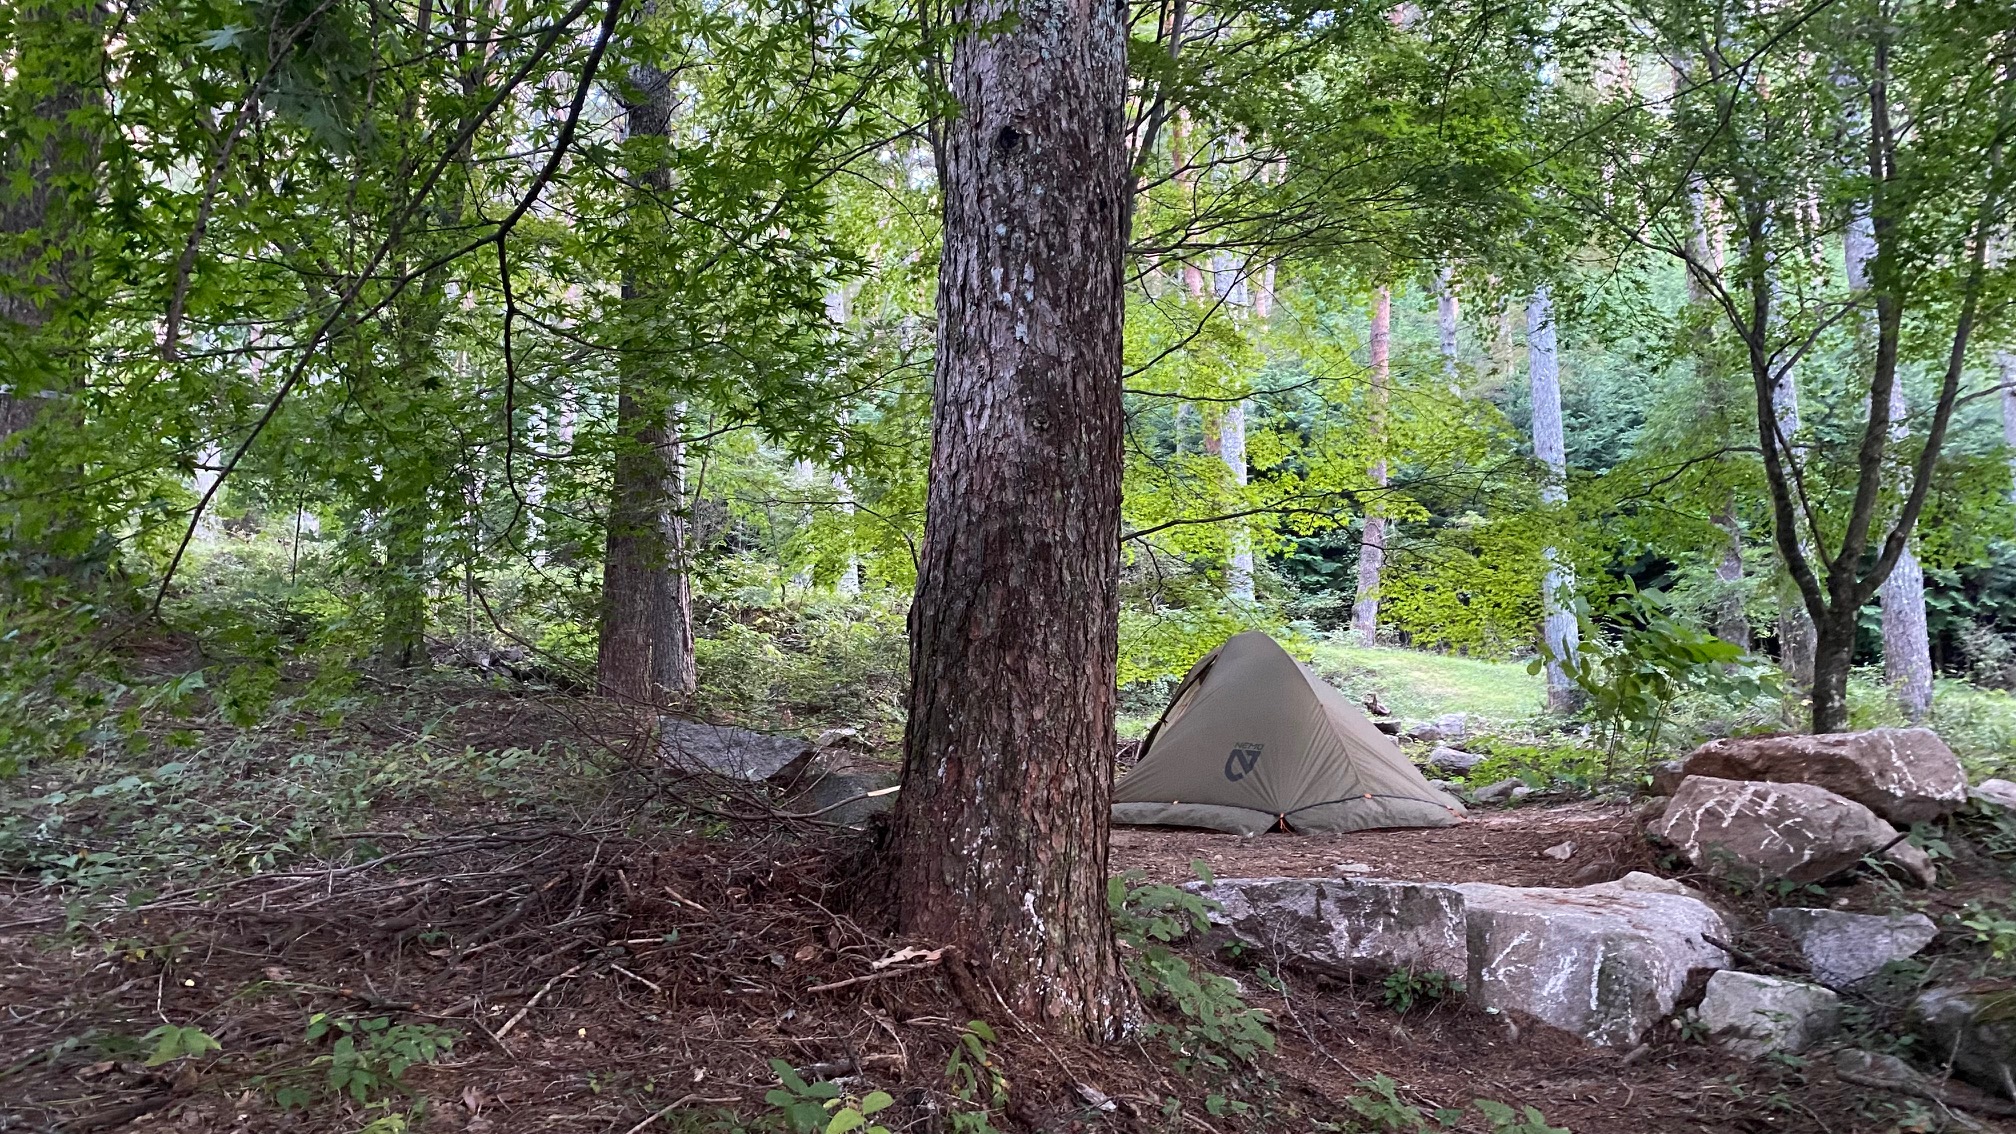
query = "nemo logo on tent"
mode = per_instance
[{"x": 1241, "y": 761}]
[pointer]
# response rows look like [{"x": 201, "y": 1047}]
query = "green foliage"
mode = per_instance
[
  {"x": 172, "y": 1042},
  {"x": 976, "y": 1079},
  {"x": 1524, "y": 1120},
  {"x": 370, "y": 1056},
  {"x": 1217, "y": 1029},
  {"x": 1636, "y": 664},
  {"x": 821, "y": 1108},
  {"x": 1402, "y": 990}
]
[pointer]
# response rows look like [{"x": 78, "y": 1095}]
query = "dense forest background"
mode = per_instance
[{"x": 350, "y": 338}]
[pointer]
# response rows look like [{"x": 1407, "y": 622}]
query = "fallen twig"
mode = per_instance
[
  {"x": 885, "y": 973},
  {"x": 536, "y": 998},
  {"x": 675, "y": 1104}
]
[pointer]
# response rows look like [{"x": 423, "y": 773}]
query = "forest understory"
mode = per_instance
[{"x": 395, "y": 921}]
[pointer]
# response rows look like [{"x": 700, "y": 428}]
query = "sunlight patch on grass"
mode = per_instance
[{"x": 1416, "y": 684}]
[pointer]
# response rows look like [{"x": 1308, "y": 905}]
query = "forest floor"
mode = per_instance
[{"x": 462, "y": 916}]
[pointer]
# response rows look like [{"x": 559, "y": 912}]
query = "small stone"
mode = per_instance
[
  {"x": 1493, "y": 793},
  {"x": 734, "y": 752},
  {"x": 1666, "y": 776},
  {"x": 2001, "y": 793},
  {"x": 1520, "y": 792},
  {"x": 1754, "y": 1015},
  {"x": 1354, "y": 868},
  {"x": 1447, "y": 759},
  {"x": 1560, "y": 852},
  {"x": 1451, "y": 726},
  {"x": 1843, "y": 948}
]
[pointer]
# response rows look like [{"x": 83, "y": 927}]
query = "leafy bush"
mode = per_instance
[{"x": 1218, "y": 1029}]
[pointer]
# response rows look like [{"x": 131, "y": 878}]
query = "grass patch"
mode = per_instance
[{"x": 1415, "y": 684}]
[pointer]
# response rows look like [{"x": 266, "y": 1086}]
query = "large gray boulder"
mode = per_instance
[
  {"x": 1975, "y": 1031},
  {"x": 1760, "y": 832},
  {"x": 1754, "y": 1015},
  {"x": 1604, "y": 962},
  {"x": 736, "y": 753},
  {"x": 1905, "y": 775},
  {"x": 1842, "y": 948},
  {"x": 1364, "y": 926}
]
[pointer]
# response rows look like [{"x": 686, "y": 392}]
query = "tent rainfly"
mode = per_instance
[{"x": 1253, "y": 741}]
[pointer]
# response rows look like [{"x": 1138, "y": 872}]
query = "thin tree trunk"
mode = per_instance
[
  {"x": 1798, "y": 638},
  {"x": 1372, "y": 539},
  {"x": 1001, "y": 828},
  {"x": 1907, "y": 644},
  {"x": 1448, "y": 319},
  {"x": 1731, "y": 624},
  {"x": 645, "y": 652},
  {"x": 2005, "y": 369},
  {"x": 1550, "y": 448},
  {"x": 1231, "y": 438}
]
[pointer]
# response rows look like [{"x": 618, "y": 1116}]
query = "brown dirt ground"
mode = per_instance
[{"x": 551, "y": 951}]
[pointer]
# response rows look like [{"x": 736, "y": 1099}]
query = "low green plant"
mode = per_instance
[
  {"x": 1523, "y": 1120},
  {"x": 1993, "y": 926},
  {"x": 367, "y": 1058},
  {"x": 977, "y": 1079},
  {"x": 1402, "y": 990},
  {"x": 822, "y": 1108},
  {"x": 1377, "y": 1100},
  {"x": 172, "y": 1042},
  {"x": 1218, "y": 1029}
]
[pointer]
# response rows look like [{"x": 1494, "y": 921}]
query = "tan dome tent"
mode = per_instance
[{"x": 1253, "y": 741}]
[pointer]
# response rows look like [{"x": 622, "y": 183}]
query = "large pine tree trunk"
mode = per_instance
[
  {"x": 1372, "y": 538},
  {"x": 1001, "y": 828},
  {"x": 645, "y": 652},
  {"x": 1551, "y": 449}
]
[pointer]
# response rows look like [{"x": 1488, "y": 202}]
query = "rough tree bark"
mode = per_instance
[
  {"x": 645, "y": 652},
  {"x": 1001, "y": 828},
  {"x": 1550, "y": 448},
  {"x": 1372, "y": 538}
]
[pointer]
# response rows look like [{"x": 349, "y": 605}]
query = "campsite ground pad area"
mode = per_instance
[{"x": 742, "y": 949}]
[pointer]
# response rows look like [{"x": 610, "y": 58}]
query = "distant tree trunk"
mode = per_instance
[
  {"x": 1001, "y": 828},
  {"x": 2005, "y": 369},
  {"x": 1798, "y": 639},
  {"x": 1231, "y": 437},
  {"x": 646, "y": 648},
  {"x": 1550, "y": 448},
  {"x": 1907, "y": 646},
  {"x": 1448, "y": 320},
  {"x": 1731, "y": 624},
  {"x": 1372, "y": 539}
]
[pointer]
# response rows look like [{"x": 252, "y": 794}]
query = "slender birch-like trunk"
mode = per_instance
[
  {"x": 1372, "y": 537},
  {"x": 1550, "y": 448}
]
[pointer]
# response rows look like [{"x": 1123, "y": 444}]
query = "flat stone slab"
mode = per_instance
[
  {"x": 726, "y": 751},
  {"x": 1605, "y": 963},
  {"x": 1754, "y": 1015},
  {"x": 1364, "y": 926},
  {"x": 1842, "y": 948}
]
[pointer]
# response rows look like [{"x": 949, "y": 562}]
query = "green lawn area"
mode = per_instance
[{"x": 1418, "y": 685}]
